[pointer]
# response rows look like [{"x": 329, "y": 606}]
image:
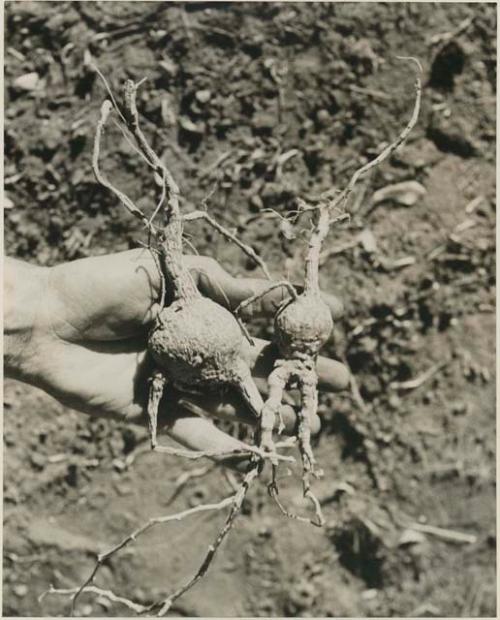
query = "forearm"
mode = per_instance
[{"x": 24, "y": 286}]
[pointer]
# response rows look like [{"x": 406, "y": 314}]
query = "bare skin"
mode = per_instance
[
  {"x": 181, "y": 338},
  {"x": 79, "y": 331},
  {"x": 195, "y": 342}
]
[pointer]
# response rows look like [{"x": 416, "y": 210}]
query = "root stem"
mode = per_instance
[{"x": 249, "y": 251}]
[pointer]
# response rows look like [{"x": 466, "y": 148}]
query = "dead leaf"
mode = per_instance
[
  {"x": 405, "y": 194},
  {"x": 27, "y": 82}
]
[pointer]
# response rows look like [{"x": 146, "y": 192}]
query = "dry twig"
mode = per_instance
[{"x": 102, "y": 557}]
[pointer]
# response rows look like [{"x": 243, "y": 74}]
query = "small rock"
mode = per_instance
[
  {"x": 7, "y": 203},
  {"x": 158, "y": 35},
  {"x": 485, "y": 375},
  {"x": 20, "y": 590},
  {"x": 123, "y": 489},
  {"x": 405, "y": 194},
  {"x": 104, "y": 603},
  {"x": 323, "y": 117},
  {"x": 425, "y": 610},
  {"x": 264, "y": 120},
  {"x": 368, "y": 344},
  {"x": 368, "y": 595},
  {"x": 38, "y": 460},
  {"x": 428, "y": 397},
  {"x": 86, "y": 610},
  {"x": 9, "y": 438},
  {"x": 140, "y": 595},
  {"x": 266, "y": 607},
  {"x": 229, "y": 566},
  {"x": 307, "y": 125},
  {"x": 50, "y": 137},
  {"x": 168, "y": 66},
  {"x": 394, "y": 401},
  {"x": 383, "y": 483},
  {"x": 27, "y": 82},
  {"x": 203, "y": 96},
  {"x": 459, "y": 408},
  {"x": 119, "y": 465},
  {"x": 362, "y": 49},
  {"x": 368, "y": 241}
]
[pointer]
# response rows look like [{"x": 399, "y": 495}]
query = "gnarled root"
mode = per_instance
[
  {"x": 161, "y": 608},
  {"x": 156, "y": 387},
  {"x": 238, "y": 498},
  {"x": 103, "y": 557},
  {"x": 277, "y": 381},
  {"x": 245, "y": 384},
  {"x": 253, "y": 298},
  {"x": 305, "y": 375},
  {"x": 291, "y": 515},
  {"x": 309, "y": 381}
]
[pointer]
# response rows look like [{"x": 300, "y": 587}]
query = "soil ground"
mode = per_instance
[{"x": 231, "y": 87}]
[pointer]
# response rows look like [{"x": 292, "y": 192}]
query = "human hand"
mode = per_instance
[{"x": 79, "y": 331}]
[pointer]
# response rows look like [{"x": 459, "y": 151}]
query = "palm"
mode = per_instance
[{"x": 97, "y": 321}]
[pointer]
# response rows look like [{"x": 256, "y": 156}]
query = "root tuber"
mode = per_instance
[
  {"x": 303, "y": 324},
  {"x": 197, "y": 344}
]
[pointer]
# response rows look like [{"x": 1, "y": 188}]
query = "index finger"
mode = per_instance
[{"x": 222, "y": 287}]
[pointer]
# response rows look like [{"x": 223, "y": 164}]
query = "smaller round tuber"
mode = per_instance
[{"x": 303, "y": 326}]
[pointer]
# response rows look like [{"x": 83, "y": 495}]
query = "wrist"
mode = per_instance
[{"x": 24, "y": 286}]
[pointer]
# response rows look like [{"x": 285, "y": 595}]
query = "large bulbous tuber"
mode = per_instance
[{"x": 198, "y": 343}]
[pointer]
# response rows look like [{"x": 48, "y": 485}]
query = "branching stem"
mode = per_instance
[
  {"x": 237, "y": 501},
  {"x": 102, "y": 557},
  {"x": 321, "y": 228},
  {"x": 323, "y": 221},
  {"x": 108, "y": 594},
  {"x": 291, "y": 515},
  {"x": 106, "y": 108},
  {"x": 245, "y": 451},
  {"x": 344, "y": 195},
  {"x": 249, "y": 251},
  {"x": 253, "y": 298}
]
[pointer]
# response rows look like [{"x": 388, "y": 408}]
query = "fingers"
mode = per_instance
[
  {"x": 333, "y": 376},
  {"x": 199, "y": 434},
  {"x": 188, "y": 429},
  {"x": 177, "y": 410},
  {"x": 217, "y": 283},
  {"x": 232, "y": 408}
]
